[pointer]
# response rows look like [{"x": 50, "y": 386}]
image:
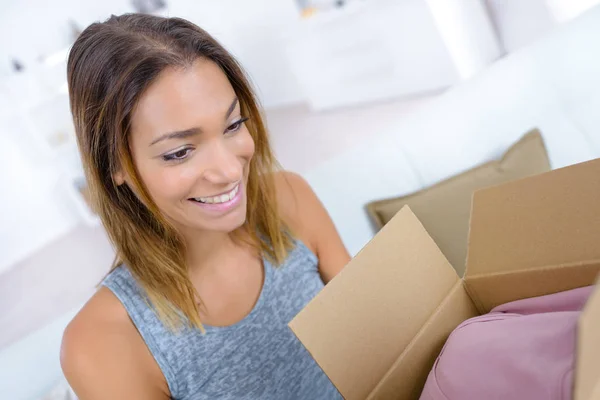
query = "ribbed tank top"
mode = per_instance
[{"x": 258, "y": 357}]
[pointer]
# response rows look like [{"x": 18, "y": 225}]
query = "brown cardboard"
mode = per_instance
[
  {"x": 406, "y": 377},
  {"x": 543, "y": 229},
  {"x": 358, "y": 328},
  {"x": 377, "y": 328},
  {"x": 587, "y": 377}
]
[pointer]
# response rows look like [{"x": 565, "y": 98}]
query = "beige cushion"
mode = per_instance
[{"x": 444, "y": 208}]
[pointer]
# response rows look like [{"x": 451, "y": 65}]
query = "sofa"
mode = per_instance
[{"x": 552, "y": 85}]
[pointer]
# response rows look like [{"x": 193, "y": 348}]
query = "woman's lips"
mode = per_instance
[{"x": 223, "y": 207}]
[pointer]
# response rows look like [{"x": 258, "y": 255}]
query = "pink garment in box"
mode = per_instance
[{"x": 520, "y": 350}]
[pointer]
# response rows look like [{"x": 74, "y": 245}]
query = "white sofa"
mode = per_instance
[{"x": 553, "y": 85}]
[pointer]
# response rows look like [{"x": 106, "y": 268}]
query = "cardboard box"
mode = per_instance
[{"x": 377, "y": 328}]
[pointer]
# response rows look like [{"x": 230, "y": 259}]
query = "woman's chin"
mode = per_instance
[{"x": 226, "y": 224}]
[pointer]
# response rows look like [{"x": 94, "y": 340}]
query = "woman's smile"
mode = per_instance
[{"x": 221, "y": 203}]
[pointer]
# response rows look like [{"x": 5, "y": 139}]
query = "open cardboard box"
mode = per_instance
[{"x": 377, "y": 328}]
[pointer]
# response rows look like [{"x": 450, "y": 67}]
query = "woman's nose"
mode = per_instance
[{"x": 223, "y": 165}]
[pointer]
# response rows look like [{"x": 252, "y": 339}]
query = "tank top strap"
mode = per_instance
[{"x": 155, "y": 334}]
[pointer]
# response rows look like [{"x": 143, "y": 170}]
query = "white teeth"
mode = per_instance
[
  {"x": 219, "y": 199},
  {"x": 233, "y": 193}
]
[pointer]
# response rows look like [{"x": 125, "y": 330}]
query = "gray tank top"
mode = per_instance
[{"x": 257, "y": 358}]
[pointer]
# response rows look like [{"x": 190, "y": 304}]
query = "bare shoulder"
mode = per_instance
[
  {"x": 288, "y": 184},
  {"x": 103, "y": 355},
  {"x": 307, "y": 217},
  {"x": 294, "y": 196}
]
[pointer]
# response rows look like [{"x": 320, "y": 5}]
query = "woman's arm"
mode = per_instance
[
  {"x": 104, "y": 357},
  {"x": 308, "y": 218}
]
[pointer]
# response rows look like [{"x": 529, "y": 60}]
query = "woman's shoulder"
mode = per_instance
[
  {"x": 103, "y": 355},
  {"x": 102, "y": 311},
  {"x": 295, "y": 199},
  {"x": 302, "y": 210}
]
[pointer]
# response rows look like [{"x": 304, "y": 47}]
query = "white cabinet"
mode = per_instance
[{"x": 368, "y": 51}]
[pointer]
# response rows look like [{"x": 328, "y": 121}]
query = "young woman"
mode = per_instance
[{"x": 216, "y": 250}]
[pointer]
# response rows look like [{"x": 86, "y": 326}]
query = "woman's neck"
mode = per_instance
[
  {"x": 202, "y": 249},
  {"x": 208, "y": 251}
]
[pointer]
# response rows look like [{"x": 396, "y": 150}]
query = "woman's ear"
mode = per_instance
[{"x": 119, "y": 177}]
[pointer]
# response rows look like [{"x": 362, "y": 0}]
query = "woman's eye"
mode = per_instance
[
  {"x": 177, "y": 155},
  {"x": 236, "y": 125}
]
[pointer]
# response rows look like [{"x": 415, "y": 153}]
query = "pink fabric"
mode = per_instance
[{"x": 520, "y": 350}]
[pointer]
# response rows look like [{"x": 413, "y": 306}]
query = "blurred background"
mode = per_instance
[{"x": 367, "y": 99}]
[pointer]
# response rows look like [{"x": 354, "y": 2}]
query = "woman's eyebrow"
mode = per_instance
[
  {"x": 177, "y": 135},
  {"x": 231, "y": 108},
  {"x": 191, "y": 131}
]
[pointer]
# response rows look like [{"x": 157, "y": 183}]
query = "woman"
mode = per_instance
[{"x": 216, "y": 252}]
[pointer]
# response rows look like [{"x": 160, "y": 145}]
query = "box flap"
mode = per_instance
[
  {"x": 535, "y": 236},
  {"x": 361, "y": 322},
  {"x": 406, "y": 378},
  {"x": 587, "y": 373}
]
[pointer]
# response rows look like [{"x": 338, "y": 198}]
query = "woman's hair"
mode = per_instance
[{"x": 110, "y": 66}]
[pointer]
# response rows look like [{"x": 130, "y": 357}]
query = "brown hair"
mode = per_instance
[{"x": 109, "y": 67}]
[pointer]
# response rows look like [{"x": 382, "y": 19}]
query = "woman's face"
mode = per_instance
[{"x": 192, "y": 149}]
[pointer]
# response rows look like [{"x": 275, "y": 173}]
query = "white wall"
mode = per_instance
[
  {"x": 565, "y": 10},
  {"x": 35, "y": 207},
  {"x": 520, "y": 22},
  {"x": 468, "y": 32},
  {"x": 250, "y": 29},
  {"x": 369, "y": 51},
  {"x": 29, "y": 28},
  {"x": 255, "y": 37}
]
